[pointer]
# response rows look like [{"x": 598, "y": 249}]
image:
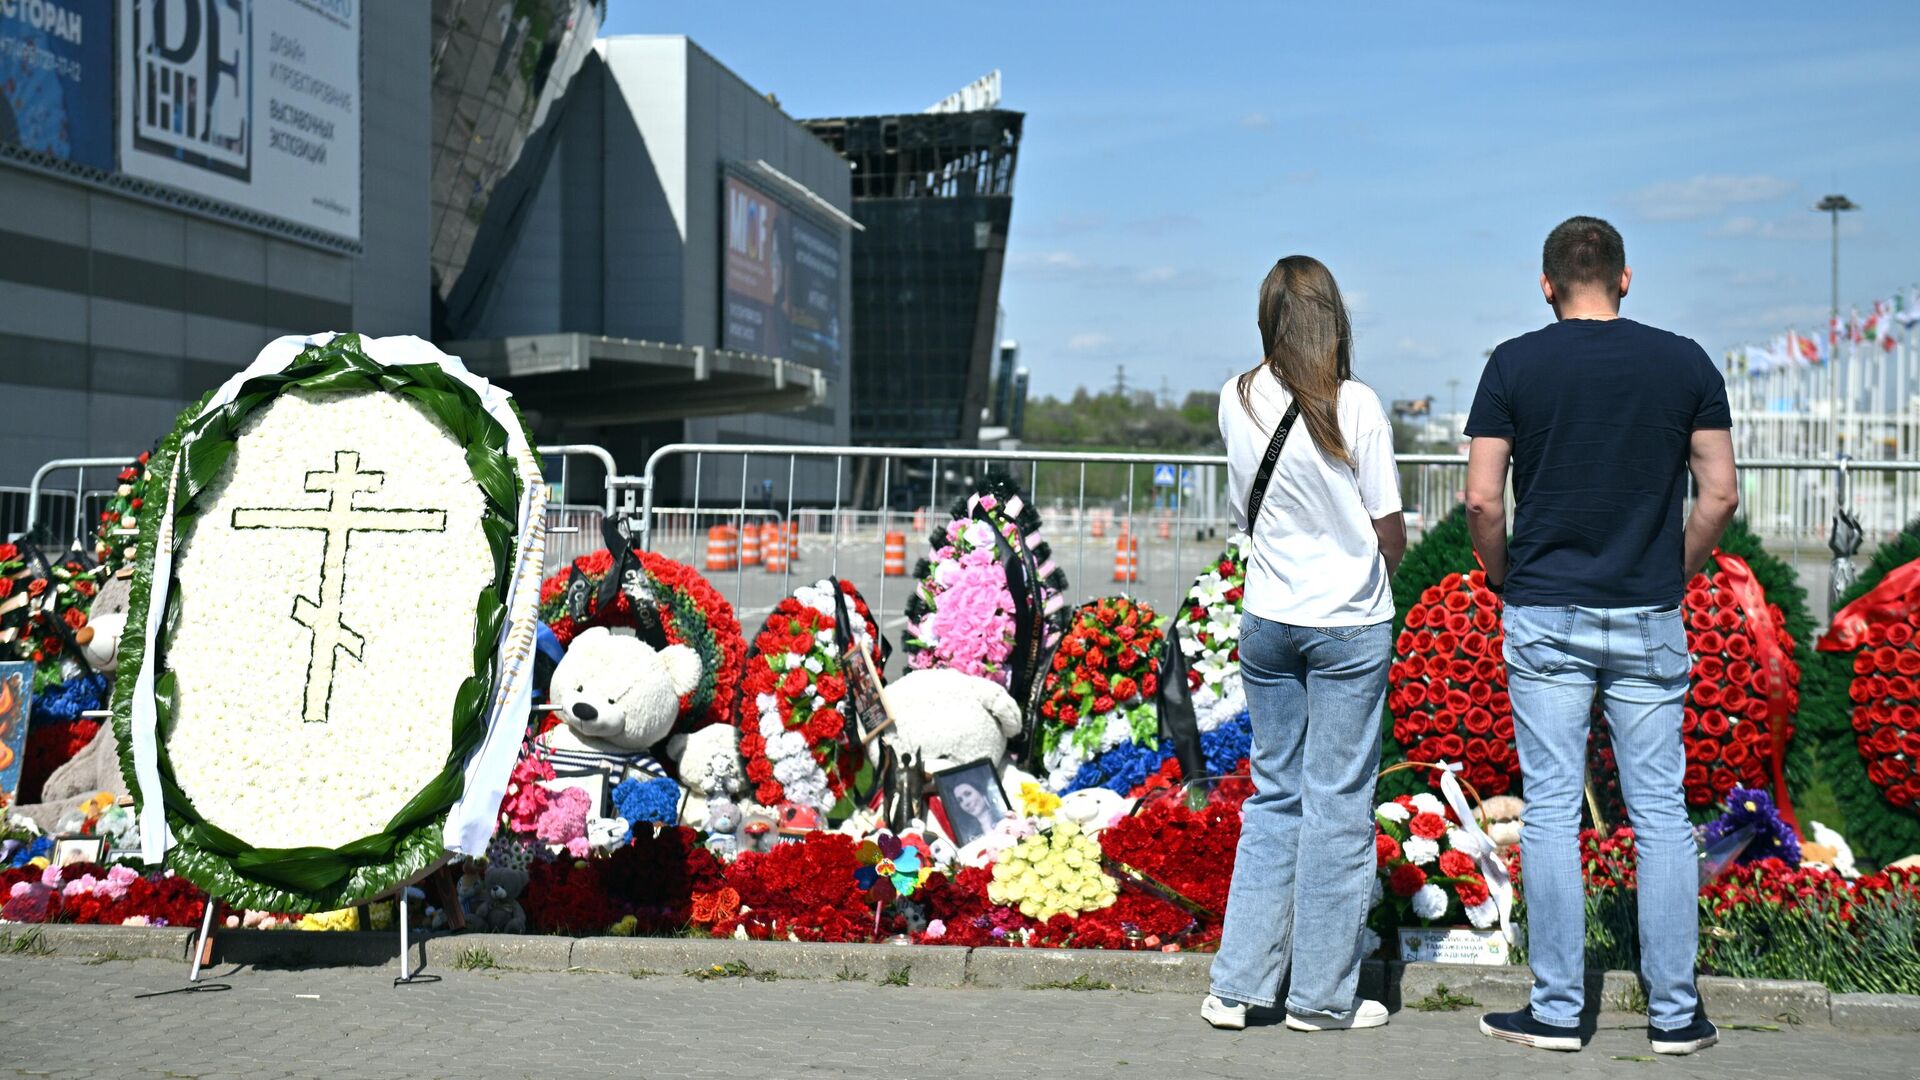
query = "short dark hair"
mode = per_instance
[{"x": 1584, "y": 251}]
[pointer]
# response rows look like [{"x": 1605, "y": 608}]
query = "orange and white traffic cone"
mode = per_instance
[
  {"x": 1126, "y": 559},
  {"x": 721, "y": 553},
  {"x": 773, "y": 550},
  {"x": 750, "y": 546},
  {"x": 894, "y": 563}
]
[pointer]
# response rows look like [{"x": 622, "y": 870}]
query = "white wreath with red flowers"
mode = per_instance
[{"x": 795, "y": 704}]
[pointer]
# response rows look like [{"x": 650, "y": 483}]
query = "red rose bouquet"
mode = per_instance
[
  {"x": 691, "y": 611},
  {"x": 1448, "y": 683},
  {"x": 794, "y": 707},
  {"x": 1100, "y": 688}
]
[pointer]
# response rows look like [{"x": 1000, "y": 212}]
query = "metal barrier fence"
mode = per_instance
[
  {"x": 1086, "y": 499},
  {"x": 847, "y": 539}
]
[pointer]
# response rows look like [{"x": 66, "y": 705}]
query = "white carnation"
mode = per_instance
[
  {"x": 1392, "y": 811},
  {"x": 1484, "y": 913},
  {"x": 1420, "y": 851},
  {"x": 1369, "y": 941},
  {"x": 1430, "y": 902},
  {"x": 813, "y": 664},
  {"x": 1426, "y": 803}
]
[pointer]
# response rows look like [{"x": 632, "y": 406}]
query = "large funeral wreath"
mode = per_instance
[
  {"x": 688, "y": 609},
  {"x": 988, "y": 600},
  {"x": 1863, "y": 702},
  {"x": 797, "y": 701},
  {"x": 229, "y": 733}
]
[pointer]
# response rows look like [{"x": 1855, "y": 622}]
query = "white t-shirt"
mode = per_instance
[{"x": 1316, "y": 560}]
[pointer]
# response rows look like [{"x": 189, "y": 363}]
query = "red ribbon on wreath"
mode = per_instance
[
  {"x": 1737, "y": 578},
  {"x": 1891, "y": 601}
]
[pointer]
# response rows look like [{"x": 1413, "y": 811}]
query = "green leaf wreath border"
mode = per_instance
[
  {"x": 310, "y": 879},
  {"x": 1877, "y": 829}
]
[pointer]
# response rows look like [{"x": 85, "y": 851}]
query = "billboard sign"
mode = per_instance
[
  {"x": 253, "y": 103},
  {"x": 56, "y": 79},
  {"x": 780, "y": 294}
]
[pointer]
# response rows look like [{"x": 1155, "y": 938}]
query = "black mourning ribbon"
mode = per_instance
[
  {"x": 626, "y": 574},
  {"x": 1174, "y": 701},
  {"x": 1023, "y": 582}
]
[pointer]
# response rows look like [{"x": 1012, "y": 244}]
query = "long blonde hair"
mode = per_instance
[{"x": 1308, "y": 345}]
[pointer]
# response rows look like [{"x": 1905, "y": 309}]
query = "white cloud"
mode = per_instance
[
  {"x": 1705, "y": 196},
  {"x": 1088, "y": 342},
  {"x": 1256, "y": 121},
  {"x": 1808, "y": 226}
]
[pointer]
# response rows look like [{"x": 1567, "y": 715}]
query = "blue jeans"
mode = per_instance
[
  {"x": 1637, "y": 659},
  {"x": 1306, "y": 842}
]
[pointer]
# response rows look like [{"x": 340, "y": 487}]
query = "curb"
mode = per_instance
[{"x": 1398, "y": 985}]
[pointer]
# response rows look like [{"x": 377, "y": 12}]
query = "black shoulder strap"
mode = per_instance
[{"x": 1258, "y": 494}]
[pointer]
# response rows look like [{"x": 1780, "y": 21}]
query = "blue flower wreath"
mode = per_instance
[
  {"x": 1128, "y": 765},
  {"x": 63, "y": 703}
]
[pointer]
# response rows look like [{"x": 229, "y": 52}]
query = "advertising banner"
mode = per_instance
[
  {"x": 781, "y": 289},
  {"x": 56, "y": 78},
  {"x": 254, "y": 103}
]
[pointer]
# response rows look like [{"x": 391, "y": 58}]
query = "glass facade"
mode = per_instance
[
  {"x": 935, "y": 193},
  {"x": 498, "y": 65}
]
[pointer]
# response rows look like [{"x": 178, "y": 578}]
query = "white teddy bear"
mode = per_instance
[
  {"x": 946, "y": 719},
  {"x": 709, "y": 764},
  {"x": 618, "y": 697}
]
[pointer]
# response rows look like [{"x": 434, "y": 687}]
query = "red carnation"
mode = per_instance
[
  {"x": 1385, "y": 848},
  {"x": 833, "y": 688},
  {"x": 1406, "y": 879},
  {"x": 1472, "y": 890},
  {"x": 1428, "y": 826},
  {"x": 1456, "y": 863},
  {"x": 795, "y": 683}
]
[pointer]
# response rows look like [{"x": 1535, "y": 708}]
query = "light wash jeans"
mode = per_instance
[
  {"x": 1637, "y": 659},
  {"x": 1306, "y": 844}
]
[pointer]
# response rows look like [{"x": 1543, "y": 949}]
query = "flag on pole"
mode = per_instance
[
  {"x": 1907, "y": 313},
  {"x": 1855, "y": 333},
  {"x": 1803, "y": 348}
]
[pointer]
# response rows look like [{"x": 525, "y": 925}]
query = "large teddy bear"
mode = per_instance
[
  {"x": 618, "y": 698},
  {"x": 945, "y": 719}
]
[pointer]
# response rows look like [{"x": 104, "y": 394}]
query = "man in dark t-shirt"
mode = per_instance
[{"x": 1602, "y": 419}]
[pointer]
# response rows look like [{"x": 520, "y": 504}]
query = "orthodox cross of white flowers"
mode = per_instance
[{"x": 337, "y": 522}]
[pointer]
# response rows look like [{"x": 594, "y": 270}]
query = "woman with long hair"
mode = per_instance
[{"x": 1323, "y": 508}]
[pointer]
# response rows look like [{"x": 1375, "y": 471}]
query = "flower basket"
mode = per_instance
[
  {"x": 1437, "y": 869},
  {"x": 300, "y": 734}
]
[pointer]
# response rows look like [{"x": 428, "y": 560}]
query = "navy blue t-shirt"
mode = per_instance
[{"x": 1601, "y": 413}]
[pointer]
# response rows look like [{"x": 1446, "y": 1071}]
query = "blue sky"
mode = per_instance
[{"x": 1423, "y": 150}]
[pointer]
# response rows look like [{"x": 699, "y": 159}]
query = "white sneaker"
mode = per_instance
[
  {"x": 1223, "y": 1016},
  {"x": 1367, "y": 1014}
]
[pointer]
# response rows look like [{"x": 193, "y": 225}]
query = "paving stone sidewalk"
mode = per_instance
[{"x": 63, "y": 1017}]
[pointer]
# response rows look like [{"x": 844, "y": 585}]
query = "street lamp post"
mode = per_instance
[
  {"x": 1844, "y": 540},
  {"x": 1832, "y": 206}
]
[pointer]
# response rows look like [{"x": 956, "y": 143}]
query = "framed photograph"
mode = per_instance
[
  {"x": 870, "y": 715},
  {"x": 973, "y": 800},
  {"x": 68, "y": 850},
  {"x": 16, "y": 702}
]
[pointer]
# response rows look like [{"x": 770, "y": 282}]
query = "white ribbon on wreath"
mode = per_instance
[{"x": 1472, "y": 840}]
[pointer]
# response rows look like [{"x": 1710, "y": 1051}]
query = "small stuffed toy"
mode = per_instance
[
  {"x": 709, "y": 766},
  {"x": 724, "y": 818},
  {"x": 1503, "y": 814},
  {"x": 617, "y": 698},
  {"x": 498, "y": 910}
]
